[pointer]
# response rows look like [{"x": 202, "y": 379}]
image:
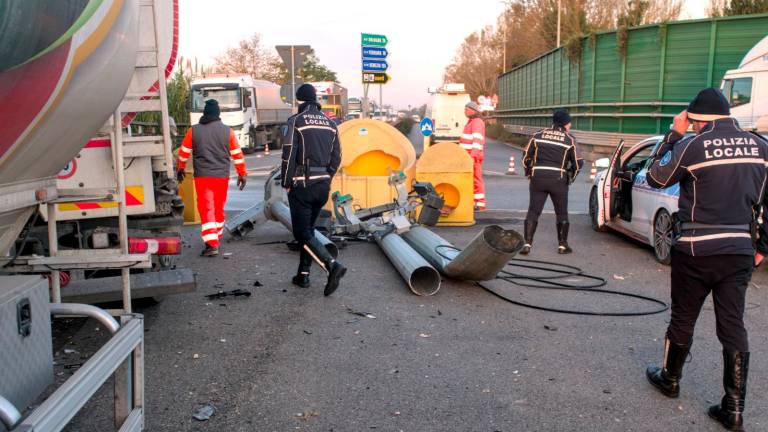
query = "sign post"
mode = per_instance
[{"x": 374, "y": 65}]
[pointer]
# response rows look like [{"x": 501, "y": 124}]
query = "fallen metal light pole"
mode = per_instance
[
  {"x": 279, "y": 211},
  {"x": 421, "y": 277},
  {"x": 486, "y": 255}
]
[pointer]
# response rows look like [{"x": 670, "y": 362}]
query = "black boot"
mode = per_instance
[
  {"x": 562, "y": 238},
  {"x": 301, "y": 280},
  {"x": 729, "y": 412},
  {"x": 335, "y": 269},
  {"x": 210, "y": 251},
  {"x": 529, "y": 229},
  {"x": 667, "y": 378}
]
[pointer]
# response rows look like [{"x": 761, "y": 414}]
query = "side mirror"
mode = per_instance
[{"x": 602, "y": 163}]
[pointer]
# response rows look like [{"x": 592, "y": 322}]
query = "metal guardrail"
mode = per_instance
[{"x": 123, "y": 356}]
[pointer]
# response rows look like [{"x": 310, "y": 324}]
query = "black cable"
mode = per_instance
[{"x": 549, "y": 281}]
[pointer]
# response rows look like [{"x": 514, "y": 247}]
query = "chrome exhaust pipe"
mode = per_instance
[
  {"x": 421, "y": 277},
  {"x": 482, "y": 260}
]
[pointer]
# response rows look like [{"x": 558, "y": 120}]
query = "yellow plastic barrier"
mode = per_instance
[
  {"x": 370, "y": 149},
  {"x": 449, "y": 168}
]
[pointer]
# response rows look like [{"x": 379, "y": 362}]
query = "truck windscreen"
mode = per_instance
[{"x": 229, "y": 99}]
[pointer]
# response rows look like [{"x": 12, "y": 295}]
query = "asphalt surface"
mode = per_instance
[{"x": 462, "y": 360}]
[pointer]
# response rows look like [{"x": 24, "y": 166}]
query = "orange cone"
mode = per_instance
[
  {"x": 511, "y": 170},
  {"x": 593, "y": 171},
  {"x": 266, "y": 149}
]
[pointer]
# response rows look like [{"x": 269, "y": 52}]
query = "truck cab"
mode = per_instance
[
  {"x": 252, "y": 108},
  {"x": 448, "y": 111},
  {"x": 746, "y": 88}
]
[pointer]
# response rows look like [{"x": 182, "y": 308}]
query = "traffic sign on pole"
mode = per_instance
[
  {"x": 374, "y": 65},
  {"x": 426, "y": 126},
  {"x": 375, "y": 52},
  {"x": 375, "y": 78},
  {"x": 374, "y": 40}
]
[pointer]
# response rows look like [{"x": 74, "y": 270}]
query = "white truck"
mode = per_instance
[
  {"x": 447, "y": 111},
  {"x": 747, "y": 89},
  {"x": 252, "y": 108}
]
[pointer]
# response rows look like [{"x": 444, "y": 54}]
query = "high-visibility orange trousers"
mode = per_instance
[
  {"x": 211, "y": 197},
  {"x": 478, "y": 184}
]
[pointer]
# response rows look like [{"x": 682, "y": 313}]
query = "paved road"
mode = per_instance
[{"x": 461, "y": 360}]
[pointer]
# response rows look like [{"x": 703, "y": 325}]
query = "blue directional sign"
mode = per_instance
[
  {"x": 426, "y": 126},
  {"x": 373, "y": 65},
  {"x": 375, "y": 52}
]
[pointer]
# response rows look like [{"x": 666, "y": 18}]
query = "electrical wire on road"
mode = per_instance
[{"x": 554, "y": 276}]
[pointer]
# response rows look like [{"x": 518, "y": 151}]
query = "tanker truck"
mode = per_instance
[{"x": 73, "y": 76}]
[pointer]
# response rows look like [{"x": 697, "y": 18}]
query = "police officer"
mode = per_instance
[
  {"x": 551, "y": 162},
  {"x": 722, "y": 176},
  {"x": 311, "y": 156}
]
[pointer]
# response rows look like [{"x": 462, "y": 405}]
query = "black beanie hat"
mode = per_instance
[
  {"x": 709, "y": 105},
  {"x": 211, "y": 108},
  {"x": 561, "y": 117},
  {"x": 306, "y": 93}
]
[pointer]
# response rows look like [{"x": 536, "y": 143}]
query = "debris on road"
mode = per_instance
[
  {"x": 258, "y": 284},
  {"x": 234, "y": 293},
  {"x": 550, "y": 328},
  {"x": 307, "y": 332},
  {"x": 362, "y": 314},
  {"x": 227, "y": 255},
  {"x": 617, "y": 277},
  {"x": 204, "y": 412},
  {"x": 424, "y": 335}
]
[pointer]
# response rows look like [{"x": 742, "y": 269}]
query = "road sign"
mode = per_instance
[
  {"x": 374, "y": 40},
  {"x": 375, "y": 78},
  {"x": 375, "y": 52},
  {"x": 373, "y": 65},
  {"x": 426, "y": 126}
]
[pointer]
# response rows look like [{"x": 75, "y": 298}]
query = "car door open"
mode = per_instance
[{"x": 607, "y": 199}]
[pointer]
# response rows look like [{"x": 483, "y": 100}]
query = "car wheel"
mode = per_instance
[
  {"x": 662, "y": 237},
  {"x": 593, "y": 211}
]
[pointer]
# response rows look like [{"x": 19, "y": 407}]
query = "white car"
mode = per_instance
[{"x": 626, "y": 203}]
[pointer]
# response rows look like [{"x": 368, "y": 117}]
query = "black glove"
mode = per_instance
[
  {"x": 180, "y": 176},
  {"x": 241, "y": 182}
]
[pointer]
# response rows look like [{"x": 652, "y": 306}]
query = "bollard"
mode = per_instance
[
  {"x": 511, "y": 170},
  {"x": 266, "y": 149},
  {"x": 592, "y": 172}
]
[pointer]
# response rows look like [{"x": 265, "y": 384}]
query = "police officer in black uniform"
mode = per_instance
[
  {"x": 722, "y": 176},
  {"x": 551, "y": 162},
  {"x": 311, "y": 156}
]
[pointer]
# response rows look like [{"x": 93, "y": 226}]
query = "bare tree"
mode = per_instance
[
  {"x": 477, "y": 63},
  {"x": 249, "y": 57}
]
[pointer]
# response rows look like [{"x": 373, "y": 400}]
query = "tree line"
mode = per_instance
[{"x": 528, "y": 28}]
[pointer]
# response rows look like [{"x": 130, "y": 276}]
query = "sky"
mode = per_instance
[{"x": 423, "y": 34}]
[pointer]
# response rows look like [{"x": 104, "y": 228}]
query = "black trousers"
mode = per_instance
[
  {"x": 542, "y": 187},
  {"x": 306, "y": 201},
  {"x": 693, "y": 278}
]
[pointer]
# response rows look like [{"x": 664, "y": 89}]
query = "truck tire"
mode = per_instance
[
  {"x": 250, "y": 145},
  {"x": 276, "y": 138}
]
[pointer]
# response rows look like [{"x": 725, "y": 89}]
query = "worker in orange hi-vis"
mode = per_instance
[
  {"x": 211, "y": 144},
  {"x": 473, "y": 141}
]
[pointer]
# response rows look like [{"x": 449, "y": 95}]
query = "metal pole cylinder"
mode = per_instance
[
  {"x": 9, "y": 415},
  {"x": 481, "y": 260},
  {"x": 73, "y": 309},
  {"x": 279, "y": 211},
  {"x": 421, "y": 277}
]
